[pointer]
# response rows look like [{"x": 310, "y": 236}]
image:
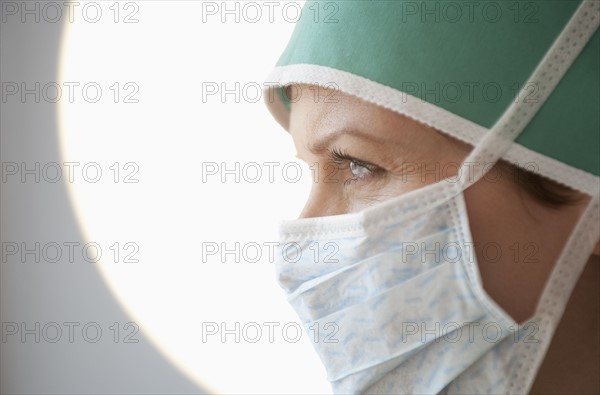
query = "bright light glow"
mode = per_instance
[{"x": 170, "y": 212}]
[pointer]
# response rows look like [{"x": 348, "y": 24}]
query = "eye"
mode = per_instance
[{"x": 359, "y": 169}]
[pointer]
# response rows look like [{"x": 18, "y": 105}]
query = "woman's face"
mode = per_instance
[{"x": 361, "y": 154}]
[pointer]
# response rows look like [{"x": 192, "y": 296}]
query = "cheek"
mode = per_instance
[
  {"x": 387, "y": 186},
  {"x": 332, "y": 193},
  {"x": 405, "y": 176}
]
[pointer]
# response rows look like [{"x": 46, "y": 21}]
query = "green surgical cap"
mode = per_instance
[{"x": 457, "y": 66}]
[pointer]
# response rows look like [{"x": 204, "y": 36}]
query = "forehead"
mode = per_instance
[{"x": 317, "y": 110}]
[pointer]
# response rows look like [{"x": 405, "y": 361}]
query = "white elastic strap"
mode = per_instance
[
  {"x": 556, "y": 294},
  {"x": 549, "y": 72}
]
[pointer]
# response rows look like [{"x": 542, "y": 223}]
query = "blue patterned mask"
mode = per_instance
[{"x": 395, "y": 292}]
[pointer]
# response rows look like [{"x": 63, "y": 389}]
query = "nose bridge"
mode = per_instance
[{"x": 322, "y": 201}]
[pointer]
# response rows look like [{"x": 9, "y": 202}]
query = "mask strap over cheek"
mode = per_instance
[{"x": 526, "y": 104}]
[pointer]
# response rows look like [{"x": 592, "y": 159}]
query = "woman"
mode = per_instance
[{"x": 454, "y": 208}]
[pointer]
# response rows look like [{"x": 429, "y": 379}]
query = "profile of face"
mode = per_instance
[{"x": 361, "y": 154}]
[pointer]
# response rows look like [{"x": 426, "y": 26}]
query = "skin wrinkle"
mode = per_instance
[{"x": 499, "y": 211}]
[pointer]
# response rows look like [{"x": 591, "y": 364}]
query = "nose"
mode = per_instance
[{"x": 322, "y": 202}]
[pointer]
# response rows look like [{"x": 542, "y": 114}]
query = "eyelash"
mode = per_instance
[{"x": 340, "y": 157}]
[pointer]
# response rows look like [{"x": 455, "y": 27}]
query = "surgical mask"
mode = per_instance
[
  {"x": 392, "y": 296},
  {"x": 401, "y": 302}
]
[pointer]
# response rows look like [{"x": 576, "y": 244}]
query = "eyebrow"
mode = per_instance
[{"x": 321, "y": 145}]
